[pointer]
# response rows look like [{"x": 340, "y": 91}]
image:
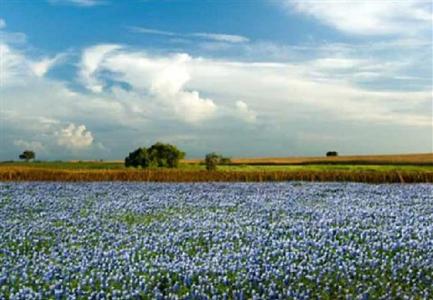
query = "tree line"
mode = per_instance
[{"x": 162, "y": 155}]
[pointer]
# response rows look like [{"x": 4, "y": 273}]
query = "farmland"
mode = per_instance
[
  {"x": 231, "y": 241},
  {"x": 372, "y": 169}
]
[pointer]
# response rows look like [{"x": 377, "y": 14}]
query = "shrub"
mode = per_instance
[
  {"x": 158, "y": 155},
  {"x": 27, "y": 155},
  {"x": 211, "y": 160},
  {"x": 332, "y": 153},
  {"x": 138, "y": 158},
  {"x": 165, "y": 155}
]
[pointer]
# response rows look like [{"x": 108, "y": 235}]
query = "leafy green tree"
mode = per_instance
[
  {"x": 165, "y": 155},
  {"x": 211, "y": 161},
  {"x": 158, "y": 155},
  {"x": 27, "y": 155},
  {"x": 138, "y": 158}
]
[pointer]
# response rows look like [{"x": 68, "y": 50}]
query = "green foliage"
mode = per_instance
[
  {"x": 158, "y": 155},
  {"x": 27, "y": 155},
  {"x": 211, "y": 161},
  {"x": 165, "y": 155},
  {"x": 225, "y": 160},
  {"x": 138, "y": 158},
  {"x": 332, "y": 153}
]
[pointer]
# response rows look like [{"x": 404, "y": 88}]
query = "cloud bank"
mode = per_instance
[{"x": 120, "y": 97}]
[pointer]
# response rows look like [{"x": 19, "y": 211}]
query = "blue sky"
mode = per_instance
[{"x": 90, "y": 79}]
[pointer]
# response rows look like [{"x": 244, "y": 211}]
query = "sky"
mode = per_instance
[{"x": 95, "y": 79}]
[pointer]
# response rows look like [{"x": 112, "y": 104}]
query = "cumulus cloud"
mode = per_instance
[
  {"x": 134, "y": 97},
  {"x": 74, "y": 137},
  {"x": 369, "y": 17},
  {"x": 163, "y": 78}
]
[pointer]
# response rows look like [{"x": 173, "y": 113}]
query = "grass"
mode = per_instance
[
  {"x": 65, "y": 165},
  {"x": 393, "y": 159},
  {"x": 374, "y": 169}
]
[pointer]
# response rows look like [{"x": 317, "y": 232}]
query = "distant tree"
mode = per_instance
[
  {"x": 211, "y": 161},
  {"x": 158, "y": 155},
  {"x": 138, "y": 158},
  {"x": 332, "y": 153},
  {"x": 225, "y": 160},
  {"x": 165, "y": 155},
  {"x": 27, "y": 155}
]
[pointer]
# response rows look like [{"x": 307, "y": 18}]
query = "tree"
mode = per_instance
[
  {"x": 165, "y": 155},
  {"x": 138, "y": 158},
  {"x": 158, "y": 155},
  {"x": 332, "y": 153},
  {"x": 211, "y": 161},
  {"x": 27, "y": 155}
]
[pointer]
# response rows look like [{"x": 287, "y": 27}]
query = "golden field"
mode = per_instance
[
  {"x": 370, "y": 169},
  {"x": 38, "y": 174},
  {"x": 385, "y": 159}
]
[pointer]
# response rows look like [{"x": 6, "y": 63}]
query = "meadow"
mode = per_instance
[{"x": 298, "y": 240}]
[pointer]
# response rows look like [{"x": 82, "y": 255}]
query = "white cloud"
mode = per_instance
[
  {"x": 16, "y": 68},
  {"x": 219, "y": 37},
  {"x": 2, "y": 23},
  {"x": 369, "y": 17},
  {"x": 74, "y": 137},
  {"x": 173, "y": 82},
  {"x": 245, "y": 113},
  {"x": 228, "y": 38},
  {"x": 163, "y": 78},
  {"x": 90, "y": 62},
  {"x": 151, "y": 31},
  {"x": 335, "y": 63},
  {"x": 143, "y": 97},
  {"x": 29, "y": 145},
  {"x": 41, "y": 67},
  {"x": 83, "y": 3},
  {"x": 280, "y": 90}
]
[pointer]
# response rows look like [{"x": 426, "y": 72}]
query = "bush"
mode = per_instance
[
  {"x": 225, "y": 160},
  {"x": 27, "y": 155},
  {"x": 158, "y": 155},
  {"x": 138, "y": 158},
  {"x": 165, "y": 155},
  {"x": 332, "y": 153},
  {"x": 211, "y": 160}
]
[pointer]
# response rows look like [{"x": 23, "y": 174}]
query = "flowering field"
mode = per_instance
[{"x": 215, "y": 241}]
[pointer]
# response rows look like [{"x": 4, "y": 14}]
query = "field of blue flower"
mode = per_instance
[{"x": 215, "y": 241}]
